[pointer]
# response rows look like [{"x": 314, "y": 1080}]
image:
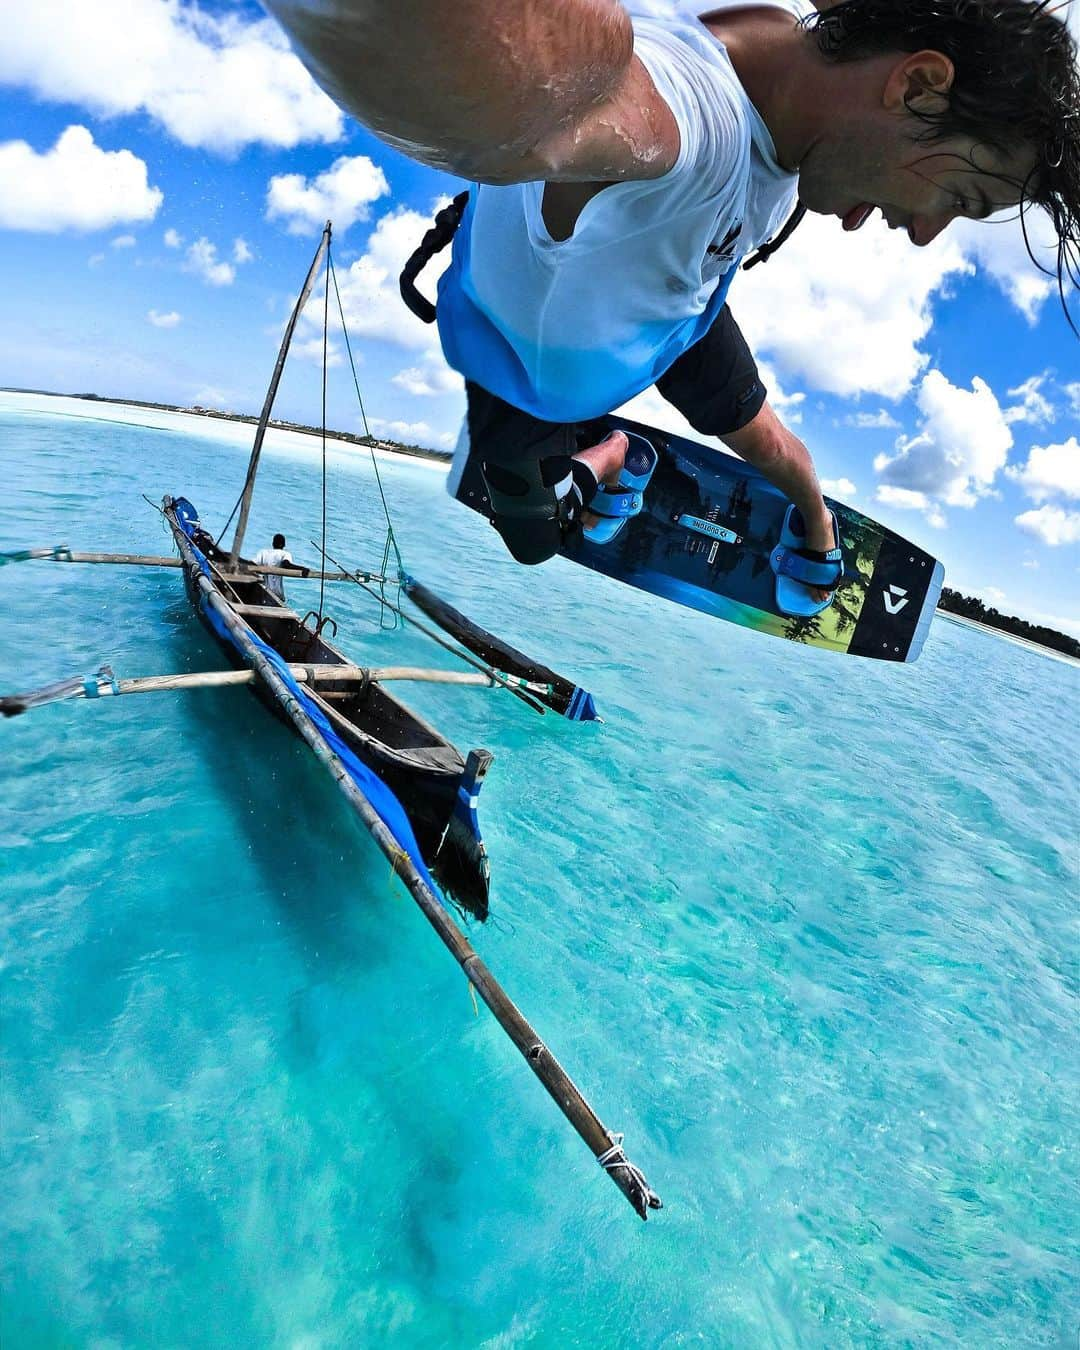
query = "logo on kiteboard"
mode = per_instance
[
  {"x": 709, "y": 528},
  {"x": 895, "y": 599}
]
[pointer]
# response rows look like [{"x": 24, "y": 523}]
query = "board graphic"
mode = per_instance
[{"x": 703, "y": 539}]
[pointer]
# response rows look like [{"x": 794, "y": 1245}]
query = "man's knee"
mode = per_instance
[
  {"x": 536, "y": 506},
  {"x": 528, "y": 543}
]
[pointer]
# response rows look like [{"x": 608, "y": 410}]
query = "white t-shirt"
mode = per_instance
[
  {"x": 571, "y": 329},
  {"x": 274, "y": 557}
]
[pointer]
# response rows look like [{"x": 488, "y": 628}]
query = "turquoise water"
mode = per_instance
[{"x": 804, "y": 927}]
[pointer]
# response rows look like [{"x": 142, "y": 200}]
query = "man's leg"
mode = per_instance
[
  {"x": 539, "y": 484},
  {"x": 715, "y": 384}
]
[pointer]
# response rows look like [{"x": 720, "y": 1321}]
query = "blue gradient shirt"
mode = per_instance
[{"x": 571, "y": 329}]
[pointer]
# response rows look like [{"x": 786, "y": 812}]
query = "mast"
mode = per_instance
[{"x": 271, "y": 394}]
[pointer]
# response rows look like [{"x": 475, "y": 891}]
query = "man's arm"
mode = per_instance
[
  {"x": 784, "y": 460},
  {"x": 493, "y": 91}
]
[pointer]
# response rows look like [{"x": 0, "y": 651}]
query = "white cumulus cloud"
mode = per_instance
[
  {"x": 369, "y": 286},
  {"x": 159, "y": 320},
  {"x": 241, "y": 252},
  {"x": 881, "y": 420},
  {"x": 343, "y": 193},
  {"x": 997, "y": 248},
  {"x": 961, "y": 445},
  {"x": 1052, "y": 524},
  {"x": 124, "y": 241},
  {"x": 173, "y": 239},
  {"x": 842, "y": 488},
  {"x": 74, "y": 186},
  {"x": 215, "y": 81},
  {"x": 1050, "y": 471},
  {"x": 846, "y": 313},
  {"x": 311, "y": 349},
  {"x": 411, "y": 433},
  {"x": 429, "y": 380},
  {"x": 907, "y": 499},
  {"x": 203, "y": 261},
  {"x": 1034, "y": 406}
]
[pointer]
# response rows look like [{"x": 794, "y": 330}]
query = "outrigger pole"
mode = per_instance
[
  {"x": 271, "y": 394},
  {"x": 61, "y": 553},
  {"x": 104, "y": 684},
  {"x": 606, "y": 1147},
  {"x": 283, "y": 682}
]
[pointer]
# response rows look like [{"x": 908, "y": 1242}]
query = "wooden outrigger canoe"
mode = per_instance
[
  {"x": 425, "y": 772},
  {"x": 408, "y": 785}
]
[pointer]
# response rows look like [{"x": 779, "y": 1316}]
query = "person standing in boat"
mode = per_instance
[
  {"x": 628, "y": 166},
  {"x": 276, "y": 556}
]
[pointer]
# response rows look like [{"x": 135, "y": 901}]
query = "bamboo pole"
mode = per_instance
[
  {"x": 310, "y": 575},
  {"x": 60, "y": 553},
  {"x": 271, "y": 394},
  {"x": 104, "y": 685},
  {"x": 606, "y": 1146}
]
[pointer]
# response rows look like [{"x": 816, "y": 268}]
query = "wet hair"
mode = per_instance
[
  {"x": 279, "y": 541},
  {"x": 1016, "y": 85}
]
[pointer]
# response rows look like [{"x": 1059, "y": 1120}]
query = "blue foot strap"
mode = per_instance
[
  {"x": 616, "y": 503},
  {"x": 809, "y": 566}
]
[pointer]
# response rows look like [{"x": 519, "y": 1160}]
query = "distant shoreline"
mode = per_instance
[
  {"x": 367, "y": 442},
  {"x": 964, "y": 609},
  {"x": 1040, "y": 647},
  {"x": 972, "y": 611}
]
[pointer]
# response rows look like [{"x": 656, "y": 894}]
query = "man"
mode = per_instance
[
  {"x": 276, "y": 556},
  {"x": 628, "y": 166}
]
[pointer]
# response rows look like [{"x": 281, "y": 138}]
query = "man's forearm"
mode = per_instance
[
  {"x": 472, "y": 86},
  {"x": 785, "y": 461}
]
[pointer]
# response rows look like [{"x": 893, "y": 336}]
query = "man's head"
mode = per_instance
[
  {"x": 279, "y": 541},
  {"x": 978, "y": 109}
]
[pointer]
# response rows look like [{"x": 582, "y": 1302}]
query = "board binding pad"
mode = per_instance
[{"x": 704, "y": 537}]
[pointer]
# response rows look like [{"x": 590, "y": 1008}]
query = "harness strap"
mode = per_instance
[
  {"x": 765, "y": 252},
  {"x": 434, "y": 241}
]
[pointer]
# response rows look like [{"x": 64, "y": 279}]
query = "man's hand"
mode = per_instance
[{"x": 784, "y": 460}]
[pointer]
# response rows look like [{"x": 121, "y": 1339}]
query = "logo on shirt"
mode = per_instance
[{"x": 725, "y": 249}]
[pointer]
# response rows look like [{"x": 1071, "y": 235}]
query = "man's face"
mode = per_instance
[{"x": 918, "y": 187}]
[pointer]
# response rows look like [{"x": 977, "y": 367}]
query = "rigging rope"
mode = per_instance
[
  {"x": 391, "y": 538},
  {"x": 388, "y": 610},
  {"x": 325, "y": 331}
]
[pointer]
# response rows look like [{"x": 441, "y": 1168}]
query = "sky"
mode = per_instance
[{"x": 165, "y": 172}]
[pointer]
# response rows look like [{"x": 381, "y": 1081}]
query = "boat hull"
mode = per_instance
[{"x": 433, "y": 783}]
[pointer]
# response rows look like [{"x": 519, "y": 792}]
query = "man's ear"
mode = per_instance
[{"x": 916, "y": 78}]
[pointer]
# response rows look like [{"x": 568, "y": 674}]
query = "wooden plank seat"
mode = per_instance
[{"x": 265, "y": 611}]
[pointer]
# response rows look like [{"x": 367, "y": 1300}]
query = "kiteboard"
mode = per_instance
[{"x": 709, "y": 526}]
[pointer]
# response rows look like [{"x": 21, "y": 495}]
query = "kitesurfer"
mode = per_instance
[{"x": 627, "y": 167}]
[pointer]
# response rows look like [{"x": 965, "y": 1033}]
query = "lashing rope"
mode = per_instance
[{"x": 614, "y": 1157}]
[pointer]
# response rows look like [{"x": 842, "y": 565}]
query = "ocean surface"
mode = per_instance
[{"x": 803, "y": 927}]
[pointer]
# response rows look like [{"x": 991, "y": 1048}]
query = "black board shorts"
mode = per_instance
[{"x": 714, "y": 384}]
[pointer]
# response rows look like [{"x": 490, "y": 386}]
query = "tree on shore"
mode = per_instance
[{"x": 971, "y": 607}]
